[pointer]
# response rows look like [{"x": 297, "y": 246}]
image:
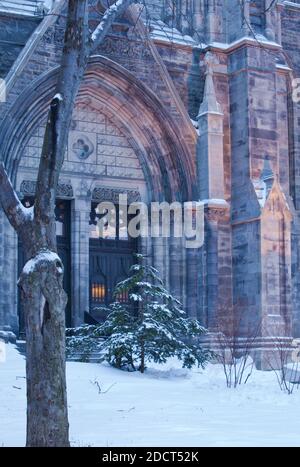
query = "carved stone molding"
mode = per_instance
[
  {"x": 112, "y": 194},
  {"x": 215, "y": 214},
  {"x": 64, "y": 190},
  {"x": 54, "y": 35},
  {"x": 121, "y": 47}
]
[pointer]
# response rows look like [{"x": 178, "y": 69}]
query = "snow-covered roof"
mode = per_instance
[
  {"x": 161, "y": 31},
  {"x": 24, "y": 7}
]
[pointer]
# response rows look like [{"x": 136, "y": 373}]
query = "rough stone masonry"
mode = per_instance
[{"x": 196, "y": 106}]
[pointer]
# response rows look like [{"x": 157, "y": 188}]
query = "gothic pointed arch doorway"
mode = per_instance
[{"x": 121, "y": 137}]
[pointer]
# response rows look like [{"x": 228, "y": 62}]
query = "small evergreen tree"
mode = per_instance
[{"x": 151, "y": 327}]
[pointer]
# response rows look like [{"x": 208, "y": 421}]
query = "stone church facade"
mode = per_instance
[{"x": 199, "y": 105}]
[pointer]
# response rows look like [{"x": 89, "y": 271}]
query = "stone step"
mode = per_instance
[{"x": 292, "y": 373}]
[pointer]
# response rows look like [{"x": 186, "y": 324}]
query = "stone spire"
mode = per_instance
[
  {"x": 210, "y": 143},
  {"x": 267, "y": 175},
  {"x": 209, "y": 103},
  {"x": 267, "y": 172}
]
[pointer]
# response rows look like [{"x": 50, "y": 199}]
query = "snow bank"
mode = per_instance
[{"x": 167, "y": 406}]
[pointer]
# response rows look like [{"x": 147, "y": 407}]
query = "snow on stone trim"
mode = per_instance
[
  {"x": 162, "y": 32},
  {"x": 289, "y": 4},
  {"x": 258, "y": 39},
  {"x": 45, "y": 255},
  {"x": 281, "y": 66},
  {"x": 215, "y": 201}
]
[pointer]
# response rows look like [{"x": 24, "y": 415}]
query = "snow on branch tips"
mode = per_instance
[{"x": 109, "y": 17}]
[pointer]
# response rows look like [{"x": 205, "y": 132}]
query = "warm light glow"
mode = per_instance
[{"x": 98, "y": 292}]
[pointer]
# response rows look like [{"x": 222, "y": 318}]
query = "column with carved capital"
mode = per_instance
[
  {"x": 80, "y": 217},
  {"x": 177, "y": 269},
  {"x": 216, "y": 272},
  {"x": 8, "y": 271},
  {"x": 273, "y": 20},
  {"x": 199, "y": 20},
  {"x": 215, "y": 21},
  {"x": 210, "y": 153},
  {"x": 246, "y": 21}
]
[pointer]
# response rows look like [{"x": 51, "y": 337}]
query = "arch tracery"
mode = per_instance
[{"x": 165, "y": 159}]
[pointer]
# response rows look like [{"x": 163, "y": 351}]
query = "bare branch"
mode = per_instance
[
  {"x": 78, "y": 45},
  {"x": 74, "y": 61},
  {"x": 16, "y": 213},
  {"x": 272, "y": 4},
  {"x": 111, "y": 14},
  {"x": 49, "y": 166}
]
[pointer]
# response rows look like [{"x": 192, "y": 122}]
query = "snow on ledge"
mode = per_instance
[
  {"x": 281, "y": 66},
  {"x": 215, "y": 202},
  {"x": 162, "y": 32},
  {"x": 289, "y": 4},
  {"x": 259, "y": 38}
]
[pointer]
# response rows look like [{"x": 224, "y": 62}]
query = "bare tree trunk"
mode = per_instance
[
  {"x": 142, "y": 365},
  {"x": 41, "y": 281}
]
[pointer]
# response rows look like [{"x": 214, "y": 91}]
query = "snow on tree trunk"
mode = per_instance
[{"x": 44, "y": 302}]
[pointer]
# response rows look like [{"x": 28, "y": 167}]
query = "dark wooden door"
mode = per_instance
[{"x": 110, "y": 262}]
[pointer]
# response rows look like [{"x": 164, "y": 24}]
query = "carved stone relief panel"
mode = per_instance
[{"x": 96, "y": 146}]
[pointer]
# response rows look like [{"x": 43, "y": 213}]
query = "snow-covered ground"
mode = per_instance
[{"x": 167, "y": 406}]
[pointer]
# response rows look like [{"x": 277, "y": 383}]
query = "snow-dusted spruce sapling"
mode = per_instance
[{"x": 151, "y": 327}]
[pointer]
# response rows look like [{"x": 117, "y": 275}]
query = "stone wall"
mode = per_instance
[
  {"x": 290, "y": 33},
  {"x": 134, "y": 119},
  {"x": 15, "y": 31}
]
